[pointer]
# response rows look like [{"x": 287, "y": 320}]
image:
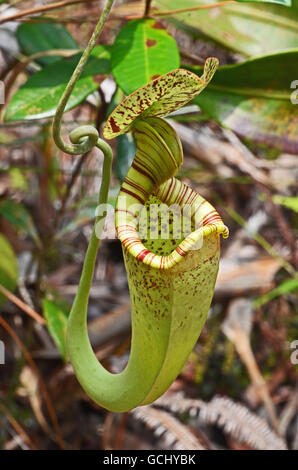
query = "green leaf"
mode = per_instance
[
  {"x": 253, "y": 99},
  {"x": 20, "y": 218},
  {"x": 39, "y": 37},
  {"x": 287, "y": 201},
  {"x": 142, "y": 51},
  {"x": 8, "y": 267},
  {"x": 18, "y": 179},
  {"x": 39, "y": 96},
  {"x": 285, "y": 287},
  {"x": 246, "y": 28},
  {"x": 56, "y": 320}
]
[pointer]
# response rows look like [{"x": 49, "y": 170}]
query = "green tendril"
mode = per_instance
[{"x": 84, "y": 138}]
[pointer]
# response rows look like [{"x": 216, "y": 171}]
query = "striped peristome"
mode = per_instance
[{"x": 158, "y": 157}]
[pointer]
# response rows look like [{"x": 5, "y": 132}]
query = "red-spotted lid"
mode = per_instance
[{"x": 158, "y": 98}]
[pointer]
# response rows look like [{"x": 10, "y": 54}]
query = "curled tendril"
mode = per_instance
[{"x": 83, "y": 138}]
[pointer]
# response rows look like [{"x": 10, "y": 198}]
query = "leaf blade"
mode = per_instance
[
  {"x": 20, "y": 218},
  {"x": 8, "y": 267},
  {"x": 246, "y": 28},
  {"x": 250, "y": 98},
  {"x": 39, "y": 96},
  {"x": 287, "y": 286},
  {"x": 142, "y": 51},
  {"x": 56, "y": 321},
  {"x": 39, "y": 37}
]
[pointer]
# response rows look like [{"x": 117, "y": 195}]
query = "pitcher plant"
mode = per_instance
[{"x": 170, "y": 237}]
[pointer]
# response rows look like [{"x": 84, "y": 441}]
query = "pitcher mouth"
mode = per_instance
[{"x": 165, "y": 250}]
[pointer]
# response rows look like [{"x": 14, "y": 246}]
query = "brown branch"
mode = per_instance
[
  {"x": 14, "y": 299},
  {"x": 43, "y": 387},
  {"x": 111, "y": 18},
  {"x": 147, "y": 7},
  {"x": 245, "y": 352},
  {"x": 283, "y": 225},
  {"x": 18, "y": 428},
  {"x": 32, "y": 11},
  {"x": 53, "y": 19}
]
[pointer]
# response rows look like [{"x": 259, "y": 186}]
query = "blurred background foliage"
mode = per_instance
[{"x": 238, "y": 389}]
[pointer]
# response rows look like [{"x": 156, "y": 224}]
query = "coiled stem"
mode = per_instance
[{"x": 84, "y": 138}]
